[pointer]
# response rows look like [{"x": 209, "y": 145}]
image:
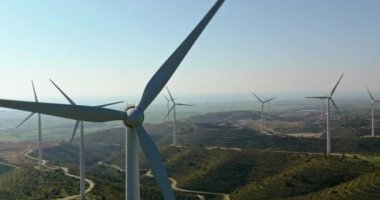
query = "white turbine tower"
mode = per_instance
[
  {"x": 329, "y": 100},
  {"x": 40, "y": 161},
  {"x": 373, "y": 101},
  {"x": 82, "y": 161},
  {"x": 174, "y": 114},
  {"x": 132, "y": 117},
  {"x": 262, "y": 110}
]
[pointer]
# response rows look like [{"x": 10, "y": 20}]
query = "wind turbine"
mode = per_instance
[
  {"x": 262, "y": 109},
  {"x": 40, "y": 161},
  {"x": 373, "y": 101},
  {"x": 329, "y": 100},
  {"x": 174, "y": 115},
  {"x": 132, "y": 117},
  {"x": 82, "y": 162}
]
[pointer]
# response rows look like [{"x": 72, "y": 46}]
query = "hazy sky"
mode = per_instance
[{"x": 111, "y": 48}]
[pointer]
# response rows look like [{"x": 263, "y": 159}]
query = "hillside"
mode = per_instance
[
  {"x": 366, "y": 186},
  {"x": 28, "y": 183},
  {"x": 241, "y": 173},
  {"x": 68, "y": 153},
  {"x": 256, "y": 173},
  {"x": 307, "y": 177}
]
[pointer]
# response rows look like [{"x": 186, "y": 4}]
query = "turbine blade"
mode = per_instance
[
  {"x": 83, "y": 113},
  {"x": 75, "y": 130},
  {"x": 336, "y": 107},
  {"x": 336, "y": 85},
  {"x": 162, "y": 76},
  {"x": 170, "y": 95},
  {"x": 29, "y": 116},
  {"x": 109, "y": 104},
  {"x": 320, "y": 97},
  {"x": 166, "y": 116},
  {"x": 257, "y": 97},
  {"x": 34, "y": 91},
  {"x": 370, "y": 94},
  {"x": 155, "y": 161},
  {"x": 63, "y": 93},
  {"x": 182, "y": 104}
]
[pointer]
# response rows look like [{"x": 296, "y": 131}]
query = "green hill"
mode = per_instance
[
  {"x": 307, "y": 177},
  {"x": 68, "y": 153},
  {"x": 254, "y": 174},
  {"x": 29, "y": 183},
  {"x": 364, "y": 187}
]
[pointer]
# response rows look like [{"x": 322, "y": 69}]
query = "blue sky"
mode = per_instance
[{"x": 110, "y": 49}]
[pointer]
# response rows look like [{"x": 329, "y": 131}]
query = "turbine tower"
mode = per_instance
[
  {"x": 329, "y": 101},
  {"x": 40, "y": 161},
  {"x": 132, "y": 117},
  {"x": 262, "y": 109},
  {"x": 373, "y": 101},
  {"x": 82, "y": 161},
  {"x": 174, "y": 114}
]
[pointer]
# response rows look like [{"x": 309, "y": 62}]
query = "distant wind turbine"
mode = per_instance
[
  {"x": 82, "y": 160},
  {"x": 329, "y": 100},
  {"x": 40, "y": 161},
  {"x": 262, "y": 109},
  {"x": 132, "y": 117},
  {"x": 174, "y": 114},
  {"x": 372, "y": 116}
]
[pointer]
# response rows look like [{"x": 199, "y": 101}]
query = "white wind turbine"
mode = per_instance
[
  {"x": 329, "y": 100},
  {"x": 40, "y": 161},
  {"x": 262, "y": 109},
  {"x": 132, "y": 117},
  {"x": 174, "y": 114},
  {"x": 82, "y": 161},
  {"x": 373, "y": 101}
]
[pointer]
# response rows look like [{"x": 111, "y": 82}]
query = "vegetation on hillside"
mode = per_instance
[
  {"x": 313, "y": 174},
  {"x": 29, "y": 183},
  {"x": 366, "y": 186},
  {"x": 256, "y": 173}
]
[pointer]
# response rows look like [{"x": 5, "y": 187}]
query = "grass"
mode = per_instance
[{"x": 375, "y": 160}]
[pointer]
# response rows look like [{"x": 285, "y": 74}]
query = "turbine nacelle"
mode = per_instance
[{"x": 134, "y": 117}]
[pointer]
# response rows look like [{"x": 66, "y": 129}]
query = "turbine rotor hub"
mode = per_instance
[{"x": 134, "y": 117}]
